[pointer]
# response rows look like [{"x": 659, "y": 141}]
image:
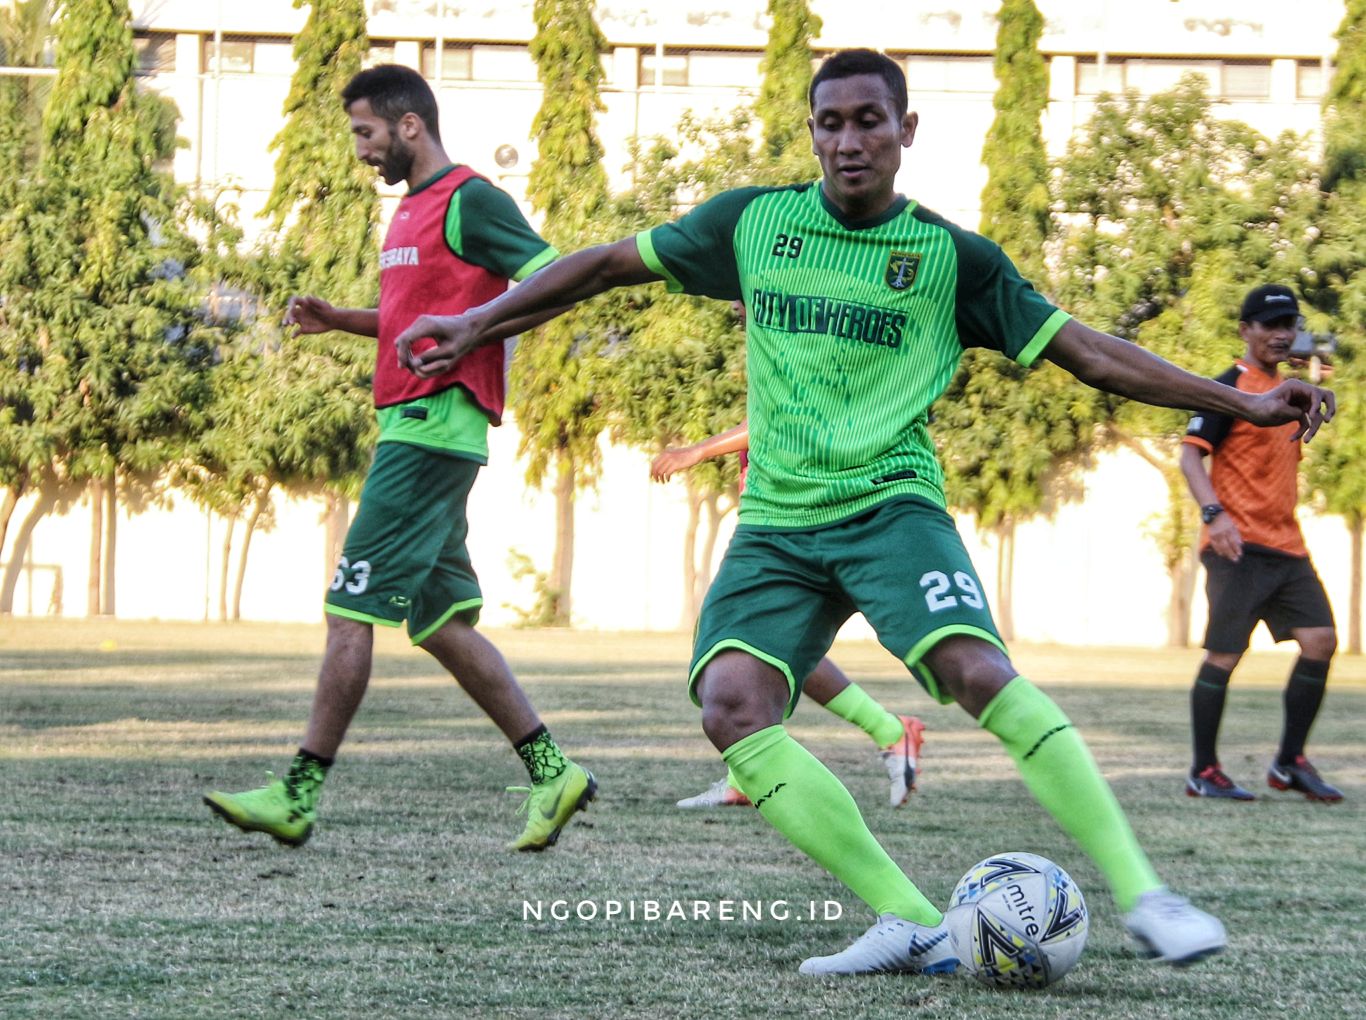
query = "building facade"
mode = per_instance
[{"x": 228, "y": 66}]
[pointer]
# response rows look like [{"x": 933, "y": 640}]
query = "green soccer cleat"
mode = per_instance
[
  {"x": 549, "y": 806},
  {"x": 272, "y": 809}
]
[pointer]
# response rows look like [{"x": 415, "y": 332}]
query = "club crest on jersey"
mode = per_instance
[{"x": 901, "y": 269}]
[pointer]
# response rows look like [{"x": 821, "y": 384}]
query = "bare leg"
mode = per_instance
[
  {"x": 825, "y": 682},
  {"x": 342, "y": 680},
  {"x": 484, "y": 674}
]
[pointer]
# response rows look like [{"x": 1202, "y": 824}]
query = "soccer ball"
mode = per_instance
[{"x": 1017, "y": 920}]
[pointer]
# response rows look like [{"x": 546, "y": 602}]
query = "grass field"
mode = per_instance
[{"x": 121, "y": 896}]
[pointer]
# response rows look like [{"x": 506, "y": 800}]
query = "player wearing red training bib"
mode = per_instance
[{"x": 454, "y": 243}]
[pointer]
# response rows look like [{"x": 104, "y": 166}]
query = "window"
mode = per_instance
[
  {"x": 156, "y": 53},
  {"x": 1310, "y": 79},
  {"x": 232, "y": 56},
  {"x": 950, "y": 74},
  {"x": 1093, "y": 77},
  {"x": 1153, "y": 76},
  {"x": 381, "y": 51},
  {"x": 1246, "y": 79},
  {"x": 671, "y": 69},
  {"x": 456, "y": 64}
]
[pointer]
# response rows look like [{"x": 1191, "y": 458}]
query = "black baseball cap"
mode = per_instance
[{"x": 1267, "y": 302}]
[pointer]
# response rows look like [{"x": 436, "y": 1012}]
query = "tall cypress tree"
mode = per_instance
[
  {"x": 1336, "y": 282},
  {"x": 555, "y": 385},
  {"x": 782, "y": 104},
  {"x": 100, "y": 279},
  {"x": 1007, "y": 435},
  {"x": 307, "y": 426},
  {"x": 24, "y": 32}
]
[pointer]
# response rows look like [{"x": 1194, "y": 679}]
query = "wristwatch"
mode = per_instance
[{"x": 1210, "y": 511}]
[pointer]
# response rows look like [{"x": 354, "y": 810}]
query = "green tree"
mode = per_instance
[
  {"x": 684, "y": 379},
  {"x": 103, "y": 284},
  {"x": 556, "y": 376},
  {"x": 25, "y": 31},
  {"x": 782, "y": 105},
  {"x": 1335, "y": 281},
  {"x": 306, "y": 425},
  {"x": 1173, "y": 214},
  {"x": 1011, "y": 438}
]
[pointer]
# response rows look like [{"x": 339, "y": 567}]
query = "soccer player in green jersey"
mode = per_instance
[
  {"x": 455, "y": 239},
  {"x": 860, "y": 303},
  {"x": 898, "y": 737}
]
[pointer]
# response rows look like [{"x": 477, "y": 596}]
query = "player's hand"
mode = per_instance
[
  {"x": 1297, "y": 401},
  {"x": 454, "y": 337},
  {"x": 309, "y": 314},
  {"x": 672, "y": 461},
  {"x": 1225, "y": 538}
]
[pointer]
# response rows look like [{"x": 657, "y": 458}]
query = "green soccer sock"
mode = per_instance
[
  {"x": 858, "y": 707},
  {"x": 1059, "y": 770},
  {"x": 731, "y": 781},
  {"x": 804, "y": 801},
  {"x": 542, "y": 757}
]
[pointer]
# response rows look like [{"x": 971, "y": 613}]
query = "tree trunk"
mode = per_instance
[
  {"x": 1182, "y": 575},
  {"x": 47, "y": 499},
  {"x": 111, "y": 534},
  {"x": 562, "y": 573},
  {"x": 714, "y": 515},
  {"x": 1005, "y": 578},
  {"x": 223, "y": 565},
  {"x": 13, "y": 493},
  {"x": 338, "y": 518},
  {"x": 92, "y": 584},
  {"x": 1354, "y": 523},
  {"x": 690, "y": 601},
  {"x": 262, "y": 500}
]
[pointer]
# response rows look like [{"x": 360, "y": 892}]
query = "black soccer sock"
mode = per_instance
[
  {"x": 306, "y": 774},
  {"x": 1303, "y": 696},
  {"x": 542, "y": 757},
  {"x": 1207, "y": 711}
]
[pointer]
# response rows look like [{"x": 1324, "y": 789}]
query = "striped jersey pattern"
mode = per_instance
[{"x": 853, "y": 330}]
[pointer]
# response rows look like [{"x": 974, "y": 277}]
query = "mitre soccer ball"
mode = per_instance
[{"x": 1017, "y": 920}]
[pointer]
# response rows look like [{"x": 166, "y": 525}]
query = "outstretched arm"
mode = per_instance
[
  {"x": 1123, "y": 368},
  {"x": 309, "y": 314},
  {"x": 680, "y": 458},
  {"x": 542, "y": 296}
]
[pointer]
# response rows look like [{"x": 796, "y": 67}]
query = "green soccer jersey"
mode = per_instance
[{"x": 853, "y": 330}]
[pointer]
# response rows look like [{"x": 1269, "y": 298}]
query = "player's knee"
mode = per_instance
[
  {"x": 1319, "y": 644},
  {"x": 971, "y": 671},
  {"x": 738, "y": 701}
]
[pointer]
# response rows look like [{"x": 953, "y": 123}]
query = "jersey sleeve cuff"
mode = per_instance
[
  {"x": 646, "y": 247},
  {"x": 548, "y": 255},
  {"x": 1041, "y": 339},
  {"x": 1198, "y": 443}
]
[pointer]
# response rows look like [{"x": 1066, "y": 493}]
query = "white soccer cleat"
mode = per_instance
[
  {"x": 892, "y": 946},
  {"x": 719, "y": 794},
  {"x": 1173, "y": 931},
  {"x": 901, "y": 758}
]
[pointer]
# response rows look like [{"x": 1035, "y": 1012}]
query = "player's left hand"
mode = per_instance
[
  {"x": 454, "y": 335},
  {"x": 1297, "y": 401},
  {"x": 671, "y": 461}
]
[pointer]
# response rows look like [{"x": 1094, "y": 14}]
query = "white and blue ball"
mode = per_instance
[{"x": 1017, "y": 920}]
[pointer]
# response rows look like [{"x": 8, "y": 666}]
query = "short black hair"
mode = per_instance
[
  {"x": 848, "y": 63},
  {"x": 393, "y": 90}
]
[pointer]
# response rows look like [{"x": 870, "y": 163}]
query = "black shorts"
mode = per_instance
[{"x": 1285, "y": 591}]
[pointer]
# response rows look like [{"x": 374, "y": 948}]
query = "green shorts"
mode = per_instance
[
  {"x": 405, "y": 556},
  {"x": 782, "y": 596}
]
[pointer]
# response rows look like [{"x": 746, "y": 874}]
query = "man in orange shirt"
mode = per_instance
[{"x": 1256, "y": 563}]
